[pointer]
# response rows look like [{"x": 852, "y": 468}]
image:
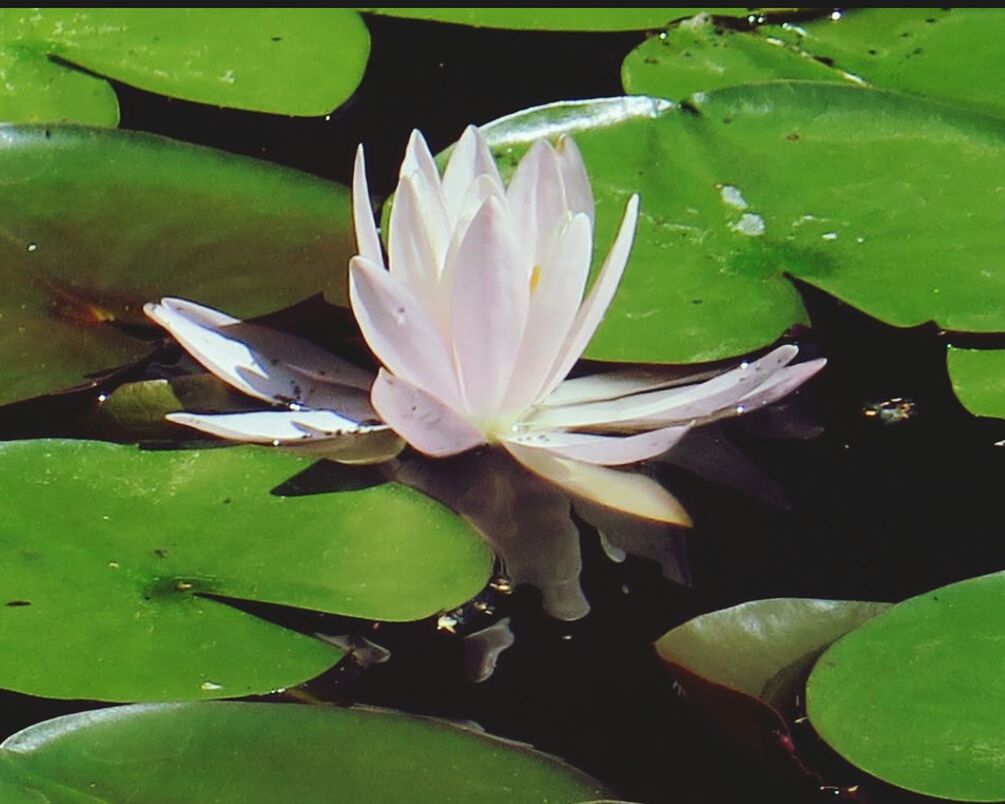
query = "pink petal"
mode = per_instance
[
  {"x": 488, "y": 305},
  {"x": 632, "y": 493},
  {"x": 424, "y": 421},
  {"x": 598, "y": 300},
  {"x": 470, "y": 158},
  {"x": 622, "y": 382},
  {"x": 367, "y": 239},
  {"x": 578, "y": 194},
  {"x": 561, "y": 280},
  {"x": 536, "y": 200},
  {"x": 606, "y": 450},
  {"x": 400, "y": 331}
]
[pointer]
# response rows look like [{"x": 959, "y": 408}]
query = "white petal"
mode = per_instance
[
  {"x": 632, "y": 493},
  {"x": 536, "y": 200},
  {"x": 423, "y": 421},
  {"x": 621, "y": 382},
  {"x": 598, "y": 300},
  {"x": 606, "y": 450},
  {"x": 400, "y": 331},
  {"x": 560, "y": 282},
  {"x": 488, "y": 305},
  {"x": 419, "y": 159},
  {"x": 273, "y": 426},
  {"x": 259, "y": 361},
  {"x": 367, "y": 239},
  {"x": 470, "y": 158},
  {"x": 411, "y": 246},
  {"x": 578, "y": 195},
  {"x": 679, "y": 405}
]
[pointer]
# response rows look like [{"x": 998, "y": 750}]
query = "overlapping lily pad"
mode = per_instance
[
  {"x": 916, "y": 696},
  {"x": 555, "y": 19},
  {"x": 978, "y": 377},
  {"x": 107, "y": 550},
  {"x": 199, "y": 752},
  {"x": 298, "y": 61},
  {"x": 939, "y": 53},
  {"x": 742, "y": 665},
  {"x": 97, "y": 222},
  {"x": 888, "y": 201}
]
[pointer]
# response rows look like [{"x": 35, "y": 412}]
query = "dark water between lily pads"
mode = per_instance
[{"x": 872, "y": 483}]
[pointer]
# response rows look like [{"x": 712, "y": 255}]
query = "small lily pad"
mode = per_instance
[
  {"x": 161, "y": 753},
  {"x": 916, "y": 696},
  {"x": 749, "y": 687},
  {"x": 109, "y": 550},
  {"x": 98, "y": 222},
  {"x": 295, "y": 61},
  {"x": 888, "y": 201},
  {"x": 978, "y": 377}
]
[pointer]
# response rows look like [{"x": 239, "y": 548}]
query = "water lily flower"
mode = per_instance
[{"x": 482, "y": 309}]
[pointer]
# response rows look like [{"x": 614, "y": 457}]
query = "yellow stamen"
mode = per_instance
[{"x": 535, "y": 278}]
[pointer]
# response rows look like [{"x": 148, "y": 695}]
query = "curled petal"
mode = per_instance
[
  {"x": 598, "y": 300},
  {"x": 259, "y": 361},
  {"x": 632, "y": 493},
  {"x": 604, "y": 450},
  {"x": 424, "y": 421},
  {"x": 367, "y": 239},
  {"x": 400, "y": 330}
]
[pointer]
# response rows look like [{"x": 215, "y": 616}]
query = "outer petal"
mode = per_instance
[
  {"x": 673, "y": 405},
  {"x": 632, "y": 493},
  {"x": 400, "y": 331},
  {"x": 274, "y": 426},
  {"x": 421, "y": 419},
  {"x": 367, "y": 239},
  {"x": 560, "y": 282},
  {"x": 605, "y": 450},
  {"x": 578, "y": 195},
  {"x": 621, "y": 382},
  {"x": 598, "y": 300},
  {"x": 470, "y": 158},
  {"x": 259, "y": 361},
  {"x": 488, "y": 307}
]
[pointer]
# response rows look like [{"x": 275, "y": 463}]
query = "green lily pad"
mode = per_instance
[
  {"x": 748, "y": 690},
  {"x": 37, "y": 90},
  {"x": 916, "y": 696},
  {"x": 97, "y": 222},
  {"x": 555, "y": 19},
  {"x": 296, "y": 61},
  {"x": 161, "y": 753},
  {"x": 699, "y": 55},
  {"x": 978, "y": 377},
  {"x": 108, "y": 550},
  {"x": 887, "y": 201},
  {"x": 939, "y": 53}
]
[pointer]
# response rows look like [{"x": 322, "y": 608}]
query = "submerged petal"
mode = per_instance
[
  {"x": 424, "y": 421},
  {"x": 632, "y": 493},
  {"x": 605, "y": 450}
]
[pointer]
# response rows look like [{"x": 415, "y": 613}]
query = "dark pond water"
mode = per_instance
[{"x": 896, "y": 492}]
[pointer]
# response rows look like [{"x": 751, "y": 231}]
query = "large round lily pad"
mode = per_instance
[
  {"x": 888, "y": 201},
  {"x": 916, "y": 696},
  {"x": 554, "y": 19},
  {"x": 297, "y": 61},
  {"x": 978, "y": 377},
  {"x": 107, "y": 550},
  {"x": 97, "y": 222},
  {"x": 162, "y": 753}
]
